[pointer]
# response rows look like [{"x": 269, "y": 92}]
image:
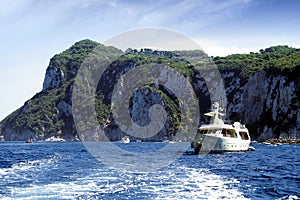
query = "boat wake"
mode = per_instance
[{"x": 185, "y": 183}]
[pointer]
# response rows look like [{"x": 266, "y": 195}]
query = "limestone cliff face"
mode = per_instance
[
  {"x": 267, "y": 102},
  {"x": 271, "y": 105},
  {"x": 143, "y": 99},
  {"x": 53, "y": 79}
]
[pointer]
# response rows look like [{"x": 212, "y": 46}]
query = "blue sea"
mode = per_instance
[{"x": 69, "y": 171}]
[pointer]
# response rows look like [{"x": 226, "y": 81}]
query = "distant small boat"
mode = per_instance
[
  {"x": 29, "y": 141},
  {"x": 125, "y": 140}
]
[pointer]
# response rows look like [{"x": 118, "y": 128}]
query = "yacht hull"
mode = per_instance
[{"x": 216, "y": 144}]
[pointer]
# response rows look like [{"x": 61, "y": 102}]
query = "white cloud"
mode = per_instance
[
  {"x": 186, "y": 14},
  {"x": 32, "y": 17}
]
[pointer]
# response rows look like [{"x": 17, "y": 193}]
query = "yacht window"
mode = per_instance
[
  {"x": 229, "y": 133},
  {"x": 224, "y": 132},
  {"x": 244, "y": 135}
]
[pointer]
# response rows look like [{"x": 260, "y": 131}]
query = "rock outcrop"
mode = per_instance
[
  {"x": 268, "y": 102},
  {"x": 53, "y": 79}
]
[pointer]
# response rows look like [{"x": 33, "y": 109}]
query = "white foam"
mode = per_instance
[
  {"x": 23, "y": 171},
  {"x": 184, "y": 183},
  {"x": 26, "y": 166},
  {"x": 198, "y": 184},
  {"x": 290, "y": 197}
]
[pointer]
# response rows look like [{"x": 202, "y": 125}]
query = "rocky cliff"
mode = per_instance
[
  {"x": 268, "y": 102},
  {"x": 262, "y": 91}
]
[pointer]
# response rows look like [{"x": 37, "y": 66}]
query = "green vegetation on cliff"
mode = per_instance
[{"x": 276, "y": 57}]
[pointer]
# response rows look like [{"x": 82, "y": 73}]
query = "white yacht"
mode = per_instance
[{"x": 219, "y": 136}]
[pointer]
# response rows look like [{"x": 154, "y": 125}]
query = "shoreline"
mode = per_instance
[
  {"x": 59, "y": 139},
  {"x": 281, "y": 141}
]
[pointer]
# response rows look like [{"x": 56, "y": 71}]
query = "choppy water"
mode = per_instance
[{"x": 69, "y": 171}]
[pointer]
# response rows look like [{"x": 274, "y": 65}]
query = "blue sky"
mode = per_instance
[{"x": 32, "y": 31}]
